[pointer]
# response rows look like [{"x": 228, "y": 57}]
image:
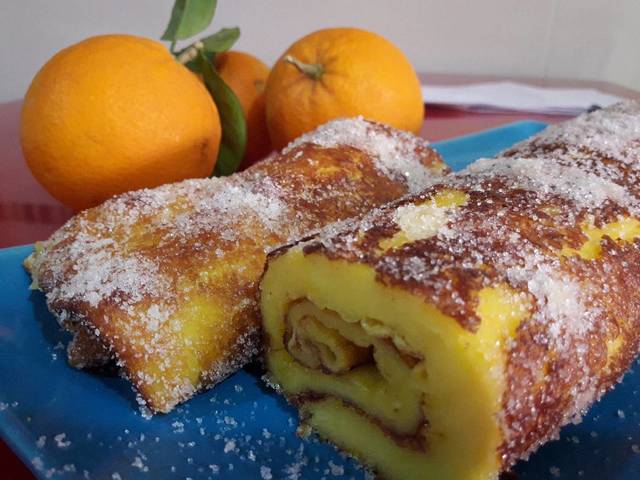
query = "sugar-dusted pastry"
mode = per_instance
[
  {"x": 451, "y": 333},
  {"x": 164, "y": 281}
]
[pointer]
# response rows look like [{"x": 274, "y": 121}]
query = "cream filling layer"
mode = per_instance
[{"x": 359, "y": 363}]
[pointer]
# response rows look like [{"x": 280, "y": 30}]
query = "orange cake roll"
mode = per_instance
[
  {"x": 449, "y": 334},
  {"x": 164, "y": 281}
]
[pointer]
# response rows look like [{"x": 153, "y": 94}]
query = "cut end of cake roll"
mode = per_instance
[
  {"x": 379, "y": 371},
  {"x": 384, "y": 374},
  {"x": 451, "y": 333}
]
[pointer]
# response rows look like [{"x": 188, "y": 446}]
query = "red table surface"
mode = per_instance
[{"x": 28, "y": 213}]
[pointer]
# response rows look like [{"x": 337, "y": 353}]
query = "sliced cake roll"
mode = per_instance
[
  {"x": 452, "y": 332},
  {"x": 164, "y": 281}
]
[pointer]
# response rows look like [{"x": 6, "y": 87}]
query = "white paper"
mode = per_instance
[{"x": 511, "y": 96}]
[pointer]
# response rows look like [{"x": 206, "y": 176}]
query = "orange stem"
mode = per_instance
[{"x": 312, "y": 70}]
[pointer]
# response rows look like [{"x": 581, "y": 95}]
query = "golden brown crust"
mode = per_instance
[
  {"x": 581, "y": 367},
  {"x": 521, "y": 211},
  {"x": 125, "y": 272},
  {"x": 85, "y": 352}
]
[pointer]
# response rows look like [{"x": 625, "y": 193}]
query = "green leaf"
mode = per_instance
[
  {"x": 221, "y": 41},
  {"x": 188, "y": 18},
  {"x": 194, "y": 66},
  {"x": 232, "y": 121}
]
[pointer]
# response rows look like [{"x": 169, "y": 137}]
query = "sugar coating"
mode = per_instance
[
  {"x": 398, "y": 159},
  {"x": 608, "y": 132},
  {"x": 265, "y": 473},
  {"x": 61, "y": 441},
  {"x": 422, "y": 221},
  {"x": 545, "y": 175}
]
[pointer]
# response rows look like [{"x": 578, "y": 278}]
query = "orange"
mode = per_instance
[
  {"x": 115, "y": 113},
  {"x": 247, "y": 76},
  {"x": 341, "y": 72}
]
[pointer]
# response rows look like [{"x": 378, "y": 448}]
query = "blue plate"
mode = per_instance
[{"x": 66, "y": 423}]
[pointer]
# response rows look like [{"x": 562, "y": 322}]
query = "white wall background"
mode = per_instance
[{"x": 587, "y": 39}]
